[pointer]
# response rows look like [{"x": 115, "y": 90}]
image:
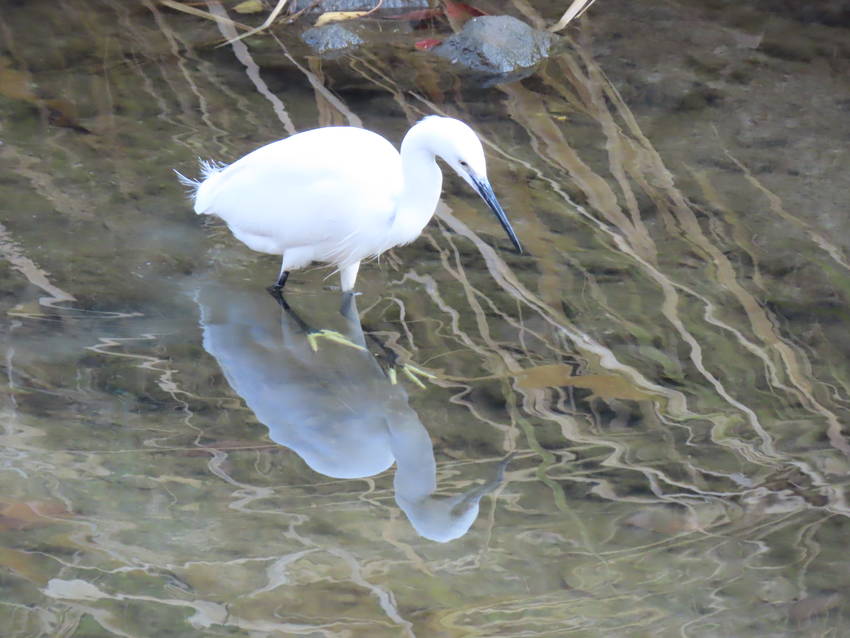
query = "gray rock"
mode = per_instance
[
  {"x": 501, "y": 47},
  {"x": 331, "y": 38}
]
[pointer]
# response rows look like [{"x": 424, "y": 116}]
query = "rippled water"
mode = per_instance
[{"x": 637, "y": 429}]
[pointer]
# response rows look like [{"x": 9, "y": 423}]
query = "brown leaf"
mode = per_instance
[
  {"x": 810, "y": 606},
  {"x": 17, "y": 515},
  {"x": 427, "y": 43},
  {"x": 458, "y": 13},
  {"x": 62, "y": 113},
  {"x": 15, "y": 84},
  {"x": 26, "y": 565}
]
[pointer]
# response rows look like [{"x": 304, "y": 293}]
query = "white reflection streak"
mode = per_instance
[
  {"x": 278, "y": 572},
  {"x": 9, "y": 416},
  {"x": 675, "y": 399},
  {"x": 251, "y": 68},
  {"x": 10, "y": 250},
  {"x": 207, "y": 613},
  {"x": 321, "y": 89},
  {"x": 176, "y": 46}
]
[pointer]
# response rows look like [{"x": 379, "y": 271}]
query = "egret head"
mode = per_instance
[{"x": 460, "y": 148}]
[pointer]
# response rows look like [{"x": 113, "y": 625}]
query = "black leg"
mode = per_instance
[
  {"x": 391, "y": 359},
  {"x": 311, "y": 334},
  {"x": 277, "y": 295},
  {"x": 281, "y": 281},
  {"x": 276, "y": 290},
  {"x": 389, "y": 355}
]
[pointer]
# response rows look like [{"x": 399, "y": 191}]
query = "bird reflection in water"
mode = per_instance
[{"x": 334, "y": 407}]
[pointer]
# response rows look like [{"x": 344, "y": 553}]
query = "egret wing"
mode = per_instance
[{"x": 309, "y": 189}]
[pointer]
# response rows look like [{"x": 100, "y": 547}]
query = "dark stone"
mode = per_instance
[
  {"x": 500, "y": 47},
  {"x": 332, "y": 38}
]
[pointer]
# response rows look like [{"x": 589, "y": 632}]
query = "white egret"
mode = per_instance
[{"x": 341, "y": 194}]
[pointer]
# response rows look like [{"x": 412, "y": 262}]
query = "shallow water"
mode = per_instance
[{"x": 637, "y": 429}]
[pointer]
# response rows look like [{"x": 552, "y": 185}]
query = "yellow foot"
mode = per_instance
[
  {"x": 331, "y": 335},
  {"x": 412, "y": 372}
]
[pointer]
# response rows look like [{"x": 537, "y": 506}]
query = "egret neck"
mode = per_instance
[{"x": 421, "y": 186}]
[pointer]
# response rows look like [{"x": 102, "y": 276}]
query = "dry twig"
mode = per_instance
[
  {"x": 574, "y": 11},
  {"x": 177, "y": 6},
  {"x": 281, "y": 5}
]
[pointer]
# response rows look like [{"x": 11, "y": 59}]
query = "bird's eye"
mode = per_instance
[{"x": 464, "y": 164}]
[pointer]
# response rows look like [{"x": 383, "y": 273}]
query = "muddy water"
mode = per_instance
[{"x": 637, "y": 429}]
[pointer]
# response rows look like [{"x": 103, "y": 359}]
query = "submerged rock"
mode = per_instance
[
  {"x": 501, "y": 48},
  {"x": 332, "y": 38}
]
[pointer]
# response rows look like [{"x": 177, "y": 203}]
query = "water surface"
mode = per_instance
[{"x": 636, "y": 429}]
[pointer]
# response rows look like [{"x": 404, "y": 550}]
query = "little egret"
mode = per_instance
[{"x": 341, "y": 194}]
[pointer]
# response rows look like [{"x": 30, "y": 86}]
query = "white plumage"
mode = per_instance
[{"x": 340, "y": 194}]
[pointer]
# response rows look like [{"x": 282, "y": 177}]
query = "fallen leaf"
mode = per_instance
[
  {"x": 604, "y": 386},
  {"x": 249, "y": 6},
  {"x": 810, "y": 606},
  {"x": 15, "y": 84},
  {"x": 338, "y": 16},
  {"x": 19, "y": 515},
  {"x": 459, "y": 13},
  {"x": 62, "y": 113},
  {"x": 427, "y": 43},
  {"x": 25, "y": 565},
  {"x": 461, "y": 10}
]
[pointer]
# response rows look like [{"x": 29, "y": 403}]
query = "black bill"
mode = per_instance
[{"x": 487, "y": 194}]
